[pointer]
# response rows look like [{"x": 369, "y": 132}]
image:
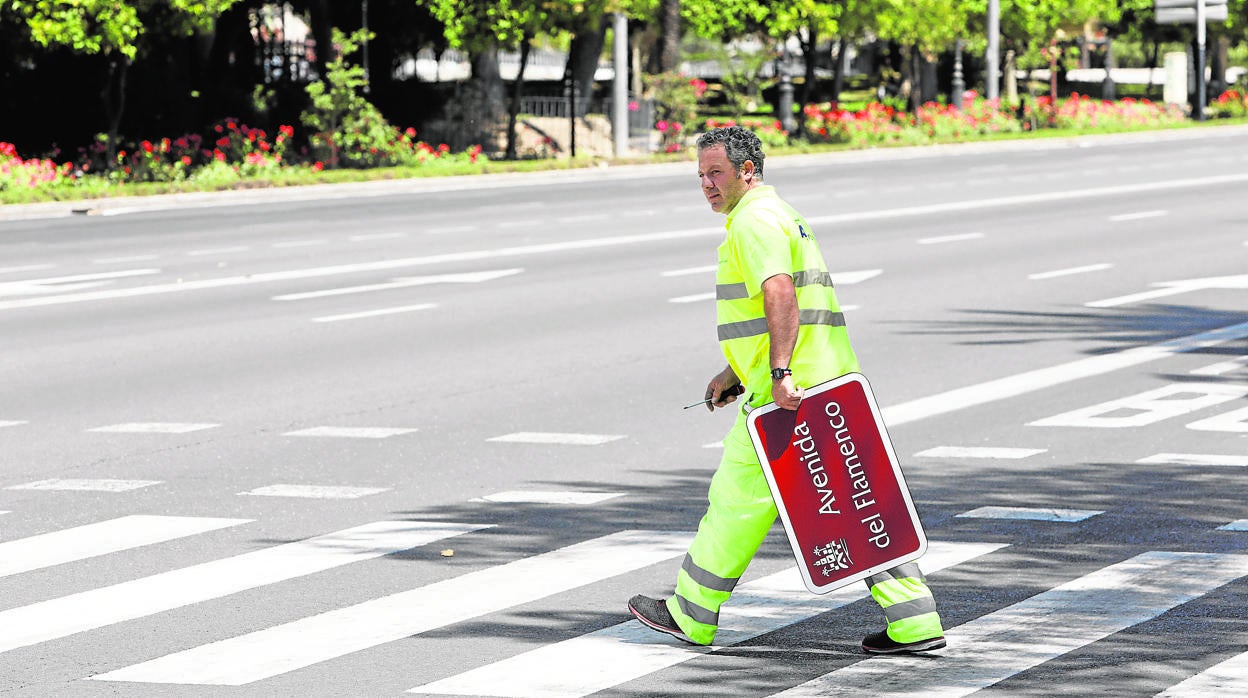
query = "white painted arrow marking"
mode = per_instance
[
  {"x": 473, "y": 277},
  {"x": 61, "y": 284}
]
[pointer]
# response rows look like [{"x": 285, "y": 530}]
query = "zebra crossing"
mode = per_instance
[{"x": 984, "y": 651}]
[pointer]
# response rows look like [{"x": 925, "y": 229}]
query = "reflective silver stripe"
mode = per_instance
[
  {"x": 757, "y": 326},
  {"x": 910, "y": 609},
  {"x": 909, "y": 570},
  {"x": 707, "y": 579},
  {"x": 730, "y": 292},
  {"x": 812, "y": 277},
  {"x": 696, "y": 612}
]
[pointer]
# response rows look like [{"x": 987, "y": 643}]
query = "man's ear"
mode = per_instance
[{"x": 747, "y": 170}]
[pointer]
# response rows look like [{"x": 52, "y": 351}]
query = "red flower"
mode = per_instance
[{"x": 318, "y": 166}]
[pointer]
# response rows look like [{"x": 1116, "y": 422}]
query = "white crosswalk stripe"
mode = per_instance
[
  {"x": 68, "y": 615},
  {"x": 1225, "y": 679},
  {"x": 93, "y": 540},
  {"x": 284, "y": 648},
  {"x": 611, "y": 656},
  {"x": 992, "y": 648}
]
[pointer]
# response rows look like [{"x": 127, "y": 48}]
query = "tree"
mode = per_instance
[{"x": 118, "y": 32}]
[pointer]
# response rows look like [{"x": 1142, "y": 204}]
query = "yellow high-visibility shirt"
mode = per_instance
[{"x": 766, "y": 237}]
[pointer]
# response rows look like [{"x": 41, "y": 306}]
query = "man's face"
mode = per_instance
[{"x": 722, "y": 185}]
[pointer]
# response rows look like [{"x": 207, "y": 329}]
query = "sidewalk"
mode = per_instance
[{"x": 424, "y": 185}]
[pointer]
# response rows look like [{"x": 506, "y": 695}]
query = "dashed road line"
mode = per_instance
[
  {"x": 155, "y": 427},
  {"x": 1068, "y": 272},
  {"x": 1194, "y": 459},
  {"x": 218, "y": 250},
  {"x": 124, "y": 260},
  {"x": 534, "y": 437},
  {"x": 548, "y": 497},
  {"x": 314, "y": 491},
  {"x": 41, "y": 267},
  {"x": 86, "y": 485},
  {"x": 12, "y": 422},
  {"x": 1030, "y": 514},
  {"x": 979, "y": 452},
  {"x": 375, "y": 313},
  {"x": 353, "y": 432},
  {"x": 940, "y": 239},
  {"x": 298, "y": 243},
  {"x": 1140, "y": 215}
]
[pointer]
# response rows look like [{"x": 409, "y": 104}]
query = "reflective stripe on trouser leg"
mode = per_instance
[
  {"x": 907, "y": 602},
  {"x": 737, "y": 519}
]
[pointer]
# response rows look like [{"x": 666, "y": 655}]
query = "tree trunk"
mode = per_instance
[
  {"x": 516, "y": 93},
  {"x": 1152, "y": 65},
  {"x": 838, "y": 70},
  {"x": 583, "y": 56},
  {"x": 114, "y": 98},
  {"x": 323, "y": 34},
  {"x": 484, "y": 106},
  {"x": 669, "y": 38}
]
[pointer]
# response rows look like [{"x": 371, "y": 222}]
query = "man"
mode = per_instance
[{"x": 780, "y": 327}]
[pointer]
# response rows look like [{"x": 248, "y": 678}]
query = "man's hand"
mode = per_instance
[
  {"x": 786, "y": 394},
  {"x": 722, "y": 390}
]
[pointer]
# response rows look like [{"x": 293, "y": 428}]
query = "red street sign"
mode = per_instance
[{"x": 836, "y": 482}]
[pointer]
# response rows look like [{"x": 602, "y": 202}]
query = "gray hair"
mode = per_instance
[{"x": 740, "y": 144}]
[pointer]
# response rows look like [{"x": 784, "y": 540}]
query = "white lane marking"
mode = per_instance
[
  {"x": 155, "y": 427},
  {"x": 847, "y": 308},
  {"x": 1030, "y": 381},
  {"x": 352, "y": 432},
  {"x": 375, "y": 313},
  {"x": 1194, "y": 459},
  {"x": 609, "y": 657},
  {"x": 374, "y": 236},
  {"x": 315, "y": 491},
  {"x": 1030, "y": 514},
  {"x": 583, "y": 218},
  {"x": 474, "y": 277},
  {"x": 537, "y": 437},
  {"x": 1226, "y": 678},
  {"x": 994, "y": 647},
  {"x": 12, "y": 422},
  {"x": 1236, "y": 525},
  {"x": 96, "y": 608},
  {"x": 93, "y": 540},
  {"x": 691, "y": 270},
  {"x": 86, "y": 485},
  {"x": 284, "y": 648},
  {"x": 547, "y": 497},
  {"x": 1122, "y": 217},
  {"x": 847, "y": 278},
  {"x": 298, "y": 243},
  {"x": 695, "y": 298},
  {"x": 1148, "y": 407},
  {"x": 1174, "y": 288},
  {"x": 979, "y": 452},
  {"x": 950, "y": 238},
  {"x": 445, "y": 230},
  {"x": 1068, "y": 272},
  {"x": 1235, "y": 422},
  {"x": 218, "y": 250},
  {"x": 120, "y": 260},
  {"x": 39, "y": 267},
  {"x": 1221, "y": 367},
  {"x": 714, "y": 444},
  {"x": 6, "y": 512}
]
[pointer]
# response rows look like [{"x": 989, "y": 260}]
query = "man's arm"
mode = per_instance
[{"x": 780, "y": 307}]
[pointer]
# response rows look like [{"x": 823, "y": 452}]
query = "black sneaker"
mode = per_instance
[
  {"x": 881, "y": 643},
  {"x": 655, "y": 615}
]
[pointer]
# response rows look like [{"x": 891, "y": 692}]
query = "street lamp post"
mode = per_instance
[
  {"x": 786, "y": 92},
  {"x": 959, "y": 83}
]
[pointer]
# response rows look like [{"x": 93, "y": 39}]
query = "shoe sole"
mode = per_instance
[
  {"x": 654, "y": 626},
  {"x": 923, "y": 646}
]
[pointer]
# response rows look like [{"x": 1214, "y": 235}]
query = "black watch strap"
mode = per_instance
[{"x": 778, "y": 374}]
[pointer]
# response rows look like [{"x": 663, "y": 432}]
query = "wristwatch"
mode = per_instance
[{"x": 778, "y": 374}]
